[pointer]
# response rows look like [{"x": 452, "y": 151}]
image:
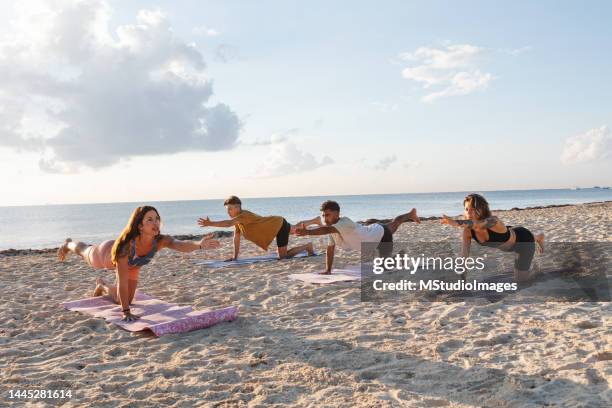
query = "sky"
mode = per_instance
[{"x": 134, "y": 101}]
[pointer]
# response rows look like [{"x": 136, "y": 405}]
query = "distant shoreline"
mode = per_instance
[
  {"x": 224, "y": 234},
  {"x": 247, "y": 197}
]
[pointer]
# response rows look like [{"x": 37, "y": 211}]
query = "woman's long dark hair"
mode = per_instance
[
  {"x": 480, "y": 204},
  {"x": 130, "y": 231}
]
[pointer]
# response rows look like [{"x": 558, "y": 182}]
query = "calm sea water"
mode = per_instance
[{"x": 47, "y": 226}]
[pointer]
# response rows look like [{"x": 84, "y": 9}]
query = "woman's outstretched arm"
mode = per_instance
[
  {"x": 482, "y": 224},
  {"x": 207, "y": 242}
]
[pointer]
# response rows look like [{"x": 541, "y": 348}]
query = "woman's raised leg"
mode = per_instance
[{"x": 71, "y": 246}]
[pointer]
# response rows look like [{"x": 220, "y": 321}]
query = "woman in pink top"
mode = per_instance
[{"x": 135, "y": 247}]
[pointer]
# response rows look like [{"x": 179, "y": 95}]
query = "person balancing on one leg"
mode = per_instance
[
  {"x": 135, "y": 247},
  {"x": 257, "y": 229},
  {"x": 348, "y": 234}
]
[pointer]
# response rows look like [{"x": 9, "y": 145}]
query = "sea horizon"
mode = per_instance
[
  {"x": 311, "y": 196},
  {"x": 46, "y": 226}
]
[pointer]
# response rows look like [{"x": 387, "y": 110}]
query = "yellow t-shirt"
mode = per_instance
[{"x": 257, "y": 229}]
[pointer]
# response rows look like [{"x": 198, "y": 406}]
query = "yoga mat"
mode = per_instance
[
  {"x": 351, "y": 273},
  {"x": 155, "y": 315},
  {"x": 244, "y": 261}
]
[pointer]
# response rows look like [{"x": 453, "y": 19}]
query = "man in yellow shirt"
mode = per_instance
[{"x": 257, "y": 229}]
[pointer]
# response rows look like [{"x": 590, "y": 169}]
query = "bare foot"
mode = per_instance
[
  {"x": 522, "y": 276},
  {"x": 63, "y": 250},
  {"x": 325, "y": 273},
  {"x": 100, "y": 287},
  {"x": 310, "y": 249},
  {"x": 527, "y": 276},
  {"x": 539, "y": 239},
  {"x": 413, "y": 216}
]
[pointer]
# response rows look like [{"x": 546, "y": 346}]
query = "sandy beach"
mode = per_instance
[{"x": 307, "y": 345}]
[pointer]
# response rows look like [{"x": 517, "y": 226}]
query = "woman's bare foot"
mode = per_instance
[
  {"x": 527, "y": 276},
  {"x": 325, "y": 273},
  {"x": 63, "y": 250},
  {"x": 100, "y": 289},
  {"x": 413, "y": 216},
  {"x": 522, "y": 276},
  {"x": 310, "y": 249},
  {"x": 539, "y": 239}
]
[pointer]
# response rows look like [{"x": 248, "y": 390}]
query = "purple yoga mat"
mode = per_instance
[{"x": 158, "y": 316}]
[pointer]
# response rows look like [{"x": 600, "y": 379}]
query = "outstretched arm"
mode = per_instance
[
  {"x": 482, "y": 224},
  {"x": 313, "y": 221},
  {"x": 316, "y": 231},
  {"x": 206, "y": 222},
  {"x": 305, "y": 223},
  {"x": 207, "y": 242}
]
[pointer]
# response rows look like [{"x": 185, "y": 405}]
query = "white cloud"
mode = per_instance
[
  {"x": 448, "y": 71},
  {"x": 276, "y": 138},
  {"x": 286, "y": 158},
  {"x": 385, "y": 162},
  {"x": 205, "y": 31},
  {"x": 594, "y": 145},
  {"x": 87, "y": 95}
]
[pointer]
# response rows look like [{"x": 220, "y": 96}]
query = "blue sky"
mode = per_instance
[{"x": 317, "y": 98}]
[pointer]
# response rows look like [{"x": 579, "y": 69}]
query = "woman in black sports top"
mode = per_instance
[{"x": 488, "y": 230}]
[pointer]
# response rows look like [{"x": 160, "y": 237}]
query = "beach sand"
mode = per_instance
[{"x": 305, "y": 345}]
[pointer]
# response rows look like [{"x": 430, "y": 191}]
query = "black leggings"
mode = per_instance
[
  {"x": 385, "y": 248},
  {"x": 282, "y": 238},
  {"x": 524, "y": 248}
]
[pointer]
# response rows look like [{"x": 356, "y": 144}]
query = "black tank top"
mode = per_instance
[{"x": 495, "y": 238}]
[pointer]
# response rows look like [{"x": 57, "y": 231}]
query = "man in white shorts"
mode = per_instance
[{"x": 348, "y": 234}]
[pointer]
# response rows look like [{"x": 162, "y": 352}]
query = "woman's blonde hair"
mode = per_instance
[
  {"x": 131, "y": 231},
  {"x": 480, "y": 204}
]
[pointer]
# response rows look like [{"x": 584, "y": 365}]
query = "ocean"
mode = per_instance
[{"x": 36, "y": 227}]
